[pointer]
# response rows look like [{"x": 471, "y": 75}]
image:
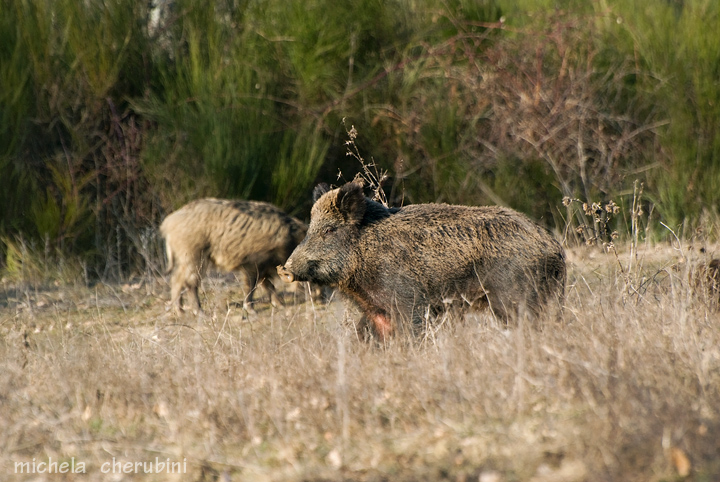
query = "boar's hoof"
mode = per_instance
[
  {"x": 248, "y": 307},
  {"x": 285, "y": 275}
]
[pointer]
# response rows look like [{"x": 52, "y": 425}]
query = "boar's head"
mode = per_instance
[{"x": 325, "y": 255}]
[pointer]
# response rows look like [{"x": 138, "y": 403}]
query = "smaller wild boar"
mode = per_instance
[
  {"x": 402, "y": 263},
  {"x": 249, "y": 236}
]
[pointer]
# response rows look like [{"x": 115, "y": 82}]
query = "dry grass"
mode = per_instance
[{"x": 627, "y": 387}]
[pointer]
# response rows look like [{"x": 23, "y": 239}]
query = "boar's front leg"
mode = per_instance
[
  {"x": 380, "y": 321},
  {"x": 382, "y": 324},
  {"x": 275, "y": 298}
]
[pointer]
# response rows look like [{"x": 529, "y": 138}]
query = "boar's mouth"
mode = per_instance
[
  {"x": 286, "y": 275},
  {"x": 290, "y": 272}
]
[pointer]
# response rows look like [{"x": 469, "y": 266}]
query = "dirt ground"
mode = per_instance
[{"x": 104, "y": 379}]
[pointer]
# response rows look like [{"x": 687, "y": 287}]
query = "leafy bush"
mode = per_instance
[{"x": 116, "y": 112}]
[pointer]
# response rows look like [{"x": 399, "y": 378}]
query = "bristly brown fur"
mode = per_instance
[
  {"x": 249, "y": 236},
  {"x": 400, "y": 263}
]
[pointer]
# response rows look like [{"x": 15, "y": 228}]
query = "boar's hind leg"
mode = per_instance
[
  {"x": 193, "y": 297},
  {"x": 192, "y": 283},
  {"x": 248, "y": 286},
  {"x": 501, "y": 304},
  {"x": 176, "y": 288},
  {"x": 185, "y": 277}
]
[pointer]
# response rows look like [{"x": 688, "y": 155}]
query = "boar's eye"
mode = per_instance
[{"x": 329, "y": 230}]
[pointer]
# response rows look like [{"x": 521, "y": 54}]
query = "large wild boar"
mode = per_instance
[
  {"x": 249, "y": 236},
  {"x": 401, "y": 263}
]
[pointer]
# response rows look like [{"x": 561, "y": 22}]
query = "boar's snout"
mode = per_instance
[
  {"x": 285, "y": 274},
  {"x": 297, "y": 268}
]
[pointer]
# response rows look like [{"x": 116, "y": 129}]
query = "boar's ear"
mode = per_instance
[
  {"x": 351, "y": 202},
  {"x": 319, "y": 190}
]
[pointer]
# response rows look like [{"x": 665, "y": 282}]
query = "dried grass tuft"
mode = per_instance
[{"x": 624, "y": 388}]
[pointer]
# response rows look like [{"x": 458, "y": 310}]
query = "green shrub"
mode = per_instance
[
  {"x": 677, "y": 44},
  {"x": 116, "y": 112}
]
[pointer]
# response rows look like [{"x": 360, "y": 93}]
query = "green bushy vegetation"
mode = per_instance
[{"x": 113, "y": 113}]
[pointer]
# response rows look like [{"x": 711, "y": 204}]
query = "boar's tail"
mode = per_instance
[{"x": 170, "y": 258}]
